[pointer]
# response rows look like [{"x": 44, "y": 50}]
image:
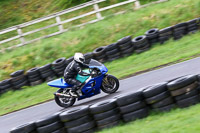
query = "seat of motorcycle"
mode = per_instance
[
  {"x": 81, "y": 78},
  {"x": 59, "y": 83}
]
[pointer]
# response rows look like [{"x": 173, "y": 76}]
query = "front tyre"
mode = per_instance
[
  {"x": 110, "y": 84},
  {"x": 64, "y": 101}
]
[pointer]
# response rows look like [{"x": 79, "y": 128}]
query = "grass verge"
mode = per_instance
[
  {"x": 176, "y": 121},
  {"x": 172, "y": 51}
]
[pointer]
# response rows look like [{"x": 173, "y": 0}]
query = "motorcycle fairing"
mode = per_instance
[
  {"x": 59, "y": 83},
  {"x": 102, "y": 68},
  {"x": 93, "y": 87}
]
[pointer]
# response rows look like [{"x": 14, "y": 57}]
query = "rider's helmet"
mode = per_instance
[{"x": 78, "y": 57}]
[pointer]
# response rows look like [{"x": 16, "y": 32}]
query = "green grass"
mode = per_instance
[
  {"x": 94, "y": 35},
  {"x": 158, "y": 55},
  {"x": 15, "y": 100},
  {"x": 14, "y": 12},
  {"x": 176, "y": 121}
]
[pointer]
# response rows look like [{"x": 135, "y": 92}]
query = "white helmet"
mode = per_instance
[{"x": 78, "y": 57}]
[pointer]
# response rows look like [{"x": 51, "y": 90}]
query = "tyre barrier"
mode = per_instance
[
  {"x": 192, "y": 25},
  {"x": 78, "y": 120},
  {"x": 152, "y": 36},
  {"x": 141, "y": 44},
  {"x": 112, "y": 52},
  {"x": 165, "y": 34},
  {"x": 88, "y": 57},
  {"x": 158, "y": 97},
  {"x": 185, "y": 90},
  {"x": 180, "y": 92},
  {"x": 105, "y": 114},
  {"x": 5, "y": 86},
  {"x": 126, "y": 47},
  {"x": 34, "y": 76},
  {"x": 49, "y": 124},
  {"x": 123, "y": 47},
  {"x": 132, "y": 106},
  {"x": 47, "y": 72},
  {"x": 59, "y": 66},
  {"x": 18, "y": 79},
  {"x": 100, "y": 54},
  {"x": 179, "y": 30},
  {"x": 25, "y": 128}
]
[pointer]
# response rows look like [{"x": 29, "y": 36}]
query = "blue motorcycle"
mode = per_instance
[{"x": 93, "y": 84}]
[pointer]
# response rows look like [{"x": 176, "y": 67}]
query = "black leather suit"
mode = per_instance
[{"x": 71, "y": 72}]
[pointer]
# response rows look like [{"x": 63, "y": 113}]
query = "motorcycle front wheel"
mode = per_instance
[
  {"x": 64, "y": 101},
  {"x": 110, "y": 84}
]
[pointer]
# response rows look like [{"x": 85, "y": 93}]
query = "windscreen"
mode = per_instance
[{"x": 93, "y": 62}]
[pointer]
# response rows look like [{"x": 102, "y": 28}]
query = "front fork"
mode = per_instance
[{"x": 105, "y": 80}]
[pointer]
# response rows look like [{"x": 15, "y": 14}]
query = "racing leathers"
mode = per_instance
[{"x": 71, "y": 72}]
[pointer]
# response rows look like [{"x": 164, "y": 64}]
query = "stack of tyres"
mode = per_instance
[
  {"x": 179, "y": 30},
  {"x": 105, "y": 113},
  {"x": 47, "y": 72},
  {"x": 78, "y": 120},
  {"x": 26, "y": 128},
  {"x": 192, "y": 25},
  {"x": 88, "y": 57},
  {"x": 152, "y": 35},
  {"x": 5, "y": 86},
  {"x": 18, "y": 79},
  {"x": 125, "y": 46},
  {"x": 112, "y": 52},
  {"x": 158, "y": 97},
  {"x": 69, "y": 60},
  {"x": 59, "y": 66},
  {"x": 51, "y": 124},
  {"x": 165, "y": 34},
  {"x": 34, "y": 76},
  {"x": 100, "y": 54},
  {"x": 185, "y": 90},
  {"x": 198, "y": 23},
  {"x": 140, "y": 44},
  {"x": 132, "y": 106}
]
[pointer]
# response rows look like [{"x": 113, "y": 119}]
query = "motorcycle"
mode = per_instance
[{"x": 93, "y": 84}]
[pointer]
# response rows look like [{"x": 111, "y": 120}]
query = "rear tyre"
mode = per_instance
[
  {"x": 110, "y": 84},
  {"x": 64, "y": 101}
]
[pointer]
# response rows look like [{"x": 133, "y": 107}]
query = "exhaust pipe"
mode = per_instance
[{"x": 62, "y": 95}]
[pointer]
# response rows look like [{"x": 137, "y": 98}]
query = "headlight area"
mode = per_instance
[{"x": 95, "y": 72}]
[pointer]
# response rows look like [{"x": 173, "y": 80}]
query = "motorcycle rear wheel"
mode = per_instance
[
  {"x": 110, "y": 84},
  {"x": 64, "y": 101}
]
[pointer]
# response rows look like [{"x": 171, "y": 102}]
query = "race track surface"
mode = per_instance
[{"x": 127, "y": 85}]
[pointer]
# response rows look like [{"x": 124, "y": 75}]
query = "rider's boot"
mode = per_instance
[{"x": 73, "y": 91}]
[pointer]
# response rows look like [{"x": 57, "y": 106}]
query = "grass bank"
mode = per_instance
[
  {"x": 94, "y": 35},
  {"x": 176, "y": 121},
  {"x": 158, "y": 55}
]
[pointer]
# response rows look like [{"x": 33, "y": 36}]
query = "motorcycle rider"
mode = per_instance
[{"x": 71, "y": 71}]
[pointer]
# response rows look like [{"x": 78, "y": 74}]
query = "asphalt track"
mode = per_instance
[{"x": 127, "y": 85}]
